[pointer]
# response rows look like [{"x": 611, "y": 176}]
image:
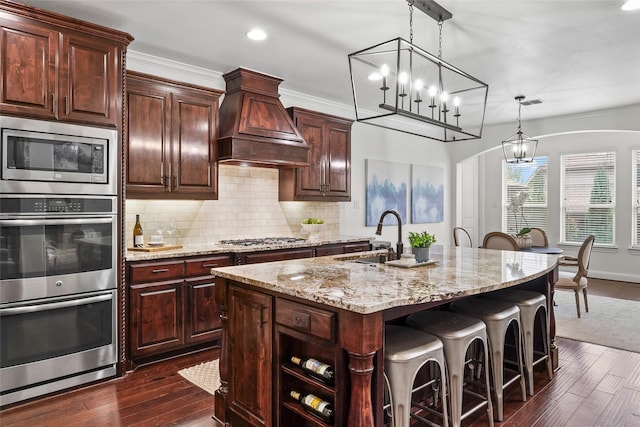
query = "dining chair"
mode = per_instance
[
  {"x": 577, "y": 282},
  {"x": 539, "y": 237},
  {"x": 461, "y": 237},
  {"x": 500, "y": 240}
]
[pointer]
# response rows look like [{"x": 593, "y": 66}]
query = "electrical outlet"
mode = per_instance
[{"x": 356, "y": 204}]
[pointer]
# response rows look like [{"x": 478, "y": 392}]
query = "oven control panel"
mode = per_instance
[{"x": 55, "y": 205}]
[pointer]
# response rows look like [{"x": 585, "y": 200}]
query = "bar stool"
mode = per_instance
[
  {"x": 498, "y": 316},
  {"x": 530, "y": 303},
  {"x": 407, "y": 350},
  {"x": 457, "y": 332}
]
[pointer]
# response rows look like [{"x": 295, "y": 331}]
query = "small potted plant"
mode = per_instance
[{"x": 420, "y": 244}]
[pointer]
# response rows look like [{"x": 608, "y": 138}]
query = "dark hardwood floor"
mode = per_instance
[{"x": 595, "y": 386}]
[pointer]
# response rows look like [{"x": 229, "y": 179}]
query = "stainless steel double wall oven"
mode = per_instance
[{"x": 58, "y": 256}]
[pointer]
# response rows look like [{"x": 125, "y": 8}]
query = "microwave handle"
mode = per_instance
[
  {"x": 55, "y": 305},
  {"x": 75, "y": 221}
]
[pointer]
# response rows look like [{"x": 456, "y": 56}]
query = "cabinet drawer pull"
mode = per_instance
[
  {"x": 160, "y": 270},
  {"x": 66, "y": 104},
  {"x": 210, "y": 265},
  {"x": 262, "y": 319}
]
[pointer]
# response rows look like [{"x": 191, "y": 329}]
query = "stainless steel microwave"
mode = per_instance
[{"x": 49, "y": 157}]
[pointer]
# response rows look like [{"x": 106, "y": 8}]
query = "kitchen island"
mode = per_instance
[{"x": 334, "y": 309}]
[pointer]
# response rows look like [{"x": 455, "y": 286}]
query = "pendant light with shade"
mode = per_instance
[{"x": 519, "y": 147}]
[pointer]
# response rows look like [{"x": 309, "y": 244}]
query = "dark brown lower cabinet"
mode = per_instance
[
  {"x": 342, "y": 248},
  {"x": 156, "y": 318},
  {"x": 172, "y": 305},
  {"x": 251, "y": 357},
  {"x": 273, "y": 255},
  {"x": 172, "y": 300},
  {"x": 280, "y": 328},
  {"x": 204, "y": 317}
]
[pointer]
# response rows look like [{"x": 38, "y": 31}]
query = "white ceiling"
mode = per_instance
[{"x": 575, "y": 55}]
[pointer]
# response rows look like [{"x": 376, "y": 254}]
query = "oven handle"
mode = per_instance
[
  {"x": 74, "y": 221},
  {"x": 55, "y": 305}
]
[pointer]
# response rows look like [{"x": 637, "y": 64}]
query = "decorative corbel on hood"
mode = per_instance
[{"x": 255, "y": 128}]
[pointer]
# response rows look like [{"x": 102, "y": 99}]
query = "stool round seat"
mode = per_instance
[
  {"x": 402, "y": 344},
  {"x": 445, "y": 325},
  {"x": 457, "y": 332},
  {"x": 497, "y": 315},
  {"x": 406, "y": 350},
  {"x": 530, "y": 303}
]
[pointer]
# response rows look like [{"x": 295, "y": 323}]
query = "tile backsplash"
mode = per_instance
[{"x": 247, "y": 207}]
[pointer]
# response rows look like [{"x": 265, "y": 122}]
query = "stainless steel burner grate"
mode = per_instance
[{"x": 262, "y": 241}]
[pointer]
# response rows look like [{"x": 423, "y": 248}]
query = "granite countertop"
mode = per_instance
[
  {"x": 337, "y": 281},
  {"x": 216, "y": 248}
]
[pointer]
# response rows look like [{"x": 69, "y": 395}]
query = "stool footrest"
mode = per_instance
[
  {"x": 424, "y": 420},
  {"x": 470, "y": 411}
]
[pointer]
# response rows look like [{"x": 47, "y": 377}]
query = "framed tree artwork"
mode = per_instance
[
  {"x": 427, "y": 194},
  {"x": 387, "y": 188}
]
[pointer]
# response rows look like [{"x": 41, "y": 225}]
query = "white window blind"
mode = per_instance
[
  {"x": 588, "y": 197},
  {"x": 635, "y": 238},
  {"x": 530, "y": 178}
]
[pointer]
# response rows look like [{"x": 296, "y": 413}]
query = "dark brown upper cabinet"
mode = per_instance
[
  {"x": 172, "y": 131},
  {"x": 59, "y": 68},
  {"x": 328, "y": 177}
]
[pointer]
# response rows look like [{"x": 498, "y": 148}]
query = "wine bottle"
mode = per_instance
[
  {"x": 138, "y": 237},
  {"x": 316, "y": 369},
  {"x": 315, "y": 406}
]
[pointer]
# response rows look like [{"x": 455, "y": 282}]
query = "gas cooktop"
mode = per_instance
[{"x": 262, "y": 241}]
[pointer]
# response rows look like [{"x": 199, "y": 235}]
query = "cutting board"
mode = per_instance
[{"x": 148, "y": 248}]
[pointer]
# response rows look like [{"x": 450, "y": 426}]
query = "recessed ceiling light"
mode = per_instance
[
  {"x": 631, "y": 5},
  {"x": 257, "y": 34}
]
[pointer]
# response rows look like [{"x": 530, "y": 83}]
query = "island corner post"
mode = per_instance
[{"x": 362, "y": 337}]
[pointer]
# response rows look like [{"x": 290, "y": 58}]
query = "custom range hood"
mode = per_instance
[{"x": 255, "y": 129}]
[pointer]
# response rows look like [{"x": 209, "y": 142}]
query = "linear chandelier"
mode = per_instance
[
  {"x": 397, "y": 85},
  {"x": 519, "y": 147}
]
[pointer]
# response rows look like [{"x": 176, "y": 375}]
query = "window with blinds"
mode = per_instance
[
  {"x": 588, "y": 197},
  {"x": 526, "y": 182},
  {"x": 635, "y": 238}
]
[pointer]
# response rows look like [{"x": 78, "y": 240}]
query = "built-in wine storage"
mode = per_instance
[{"x": 305, "y": 332}]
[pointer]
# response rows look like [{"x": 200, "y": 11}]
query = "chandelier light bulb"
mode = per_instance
[
  {"x": 384, "y": 70},
  {"x": 403, "y": 78},
  {"x": 419, "y": 85},
  {"x": 456, "y": 105},
  {"x": 444, "y": 97},
  {"x": 433, "y": 91}
]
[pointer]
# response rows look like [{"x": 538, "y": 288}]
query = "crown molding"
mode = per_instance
[{"x": 174, "y": 70}]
